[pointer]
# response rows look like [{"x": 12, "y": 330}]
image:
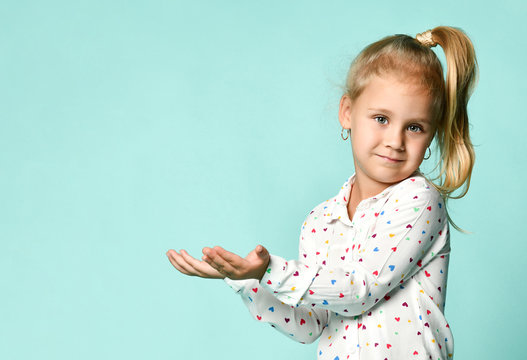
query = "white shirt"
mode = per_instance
[{"x": 372, "y": 287}]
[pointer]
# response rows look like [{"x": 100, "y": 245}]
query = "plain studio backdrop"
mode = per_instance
[{"x": 128, "y": 128}]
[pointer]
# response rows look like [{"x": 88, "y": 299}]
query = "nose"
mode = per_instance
[{"x": 394, "y": 138}]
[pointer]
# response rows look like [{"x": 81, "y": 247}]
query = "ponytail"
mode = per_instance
[{"x": 457, "y": 155}]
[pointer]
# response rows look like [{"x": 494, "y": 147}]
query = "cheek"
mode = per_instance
[{"x": 419, "y": 149}]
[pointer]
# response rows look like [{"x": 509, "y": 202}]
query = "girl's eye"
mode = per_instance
[
  {"x": 382, "y": 121},
  {"x": 415, "y": 128}
]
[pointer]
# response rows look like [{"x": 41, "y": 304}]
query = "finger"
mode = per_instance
[
  {"x": 231, "y": 262},
  {"x": 176, "y": 265},
  {"x": 228, "y": 256},
  {"x": 218, "y": 263},
  {"x": 200, "y": 266},
  {"x": 188, "y": 267}
]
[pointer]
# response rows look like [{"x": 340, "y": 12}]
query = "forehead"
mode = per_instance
[{"x": 406, "y": 98}]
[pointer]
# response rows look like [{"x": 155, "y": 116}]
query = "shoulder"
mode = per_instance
[
  {"x": 321, "y": 211},
  {"x": 414, "y": 195},
  {"x": 417, "y": 188}
]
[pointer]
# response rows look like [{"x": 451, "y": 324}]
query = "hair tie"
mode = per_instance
[{"x": 425, "y": 38}]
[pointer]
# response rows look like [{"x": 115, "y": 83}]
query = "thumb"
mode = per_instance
[{"x": 262, "y": 252}]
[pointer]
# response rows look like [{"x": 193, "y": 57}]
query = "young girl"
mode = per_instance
[{"x": 370, "y": 280}]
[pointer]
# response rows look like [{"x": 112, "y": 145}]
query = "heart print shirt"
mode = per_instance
[{"x": 368, "y": 288}]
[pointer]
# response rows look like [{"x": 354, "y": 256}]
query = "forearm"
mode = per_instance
[
  {"x": 348, "y": 290},
  {"x": 300, "y": 323}
]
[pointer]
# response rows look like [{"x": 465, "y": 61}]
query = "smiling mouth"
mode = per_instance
[{"x": 390, "y": 159}]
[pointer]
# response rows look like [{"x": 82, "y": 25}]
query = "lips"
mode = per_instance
[{"x": 390, "y": 159}]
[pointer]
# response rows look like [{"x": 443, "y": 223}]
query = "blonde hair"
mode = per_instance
[{"x": 413, "y": 60}]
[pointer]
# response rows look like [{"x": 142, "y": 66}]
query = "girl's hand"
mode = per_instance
[
  {"x": 236, "y": 268},
  {"x": 187, "y": 265}
]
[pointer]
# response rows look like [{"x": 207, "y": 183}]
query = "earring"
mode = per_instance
[
  {"x": 342, "y": 134},
  {"x": 429, "y": 154}
]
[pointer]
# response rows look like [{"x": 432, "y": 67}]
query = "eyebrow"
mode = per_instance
[{"x": 425, "y": 120}]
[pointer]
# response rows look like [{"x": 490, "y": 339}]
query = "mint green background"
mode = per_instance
[{"x": 131, "y": 127}]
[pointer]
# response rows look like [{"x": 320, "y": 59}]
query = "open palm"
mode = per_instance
[{"x": 218, "y": 263}]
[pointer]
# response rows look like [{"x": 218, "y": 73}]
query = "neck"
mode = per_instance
[{"x": 362, "y": 191}]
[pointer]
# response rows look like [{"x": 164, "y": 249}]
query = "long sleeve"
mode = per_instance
[
  {"x": 409, "y": 230},
  {"x": 301, "y": 323}
]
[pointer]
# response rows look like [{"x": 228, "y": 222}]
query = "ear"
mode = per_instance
[{"x": 345, "y": 111}]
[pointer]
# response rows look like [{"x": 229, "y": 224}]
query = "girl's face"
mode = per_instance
[{"x": 391, "y": 128}]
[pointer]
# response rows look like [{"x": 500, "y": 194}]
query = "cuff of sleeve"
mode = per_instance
[
  {"x": 239, "y": 285},
  {"x": 274, "y": 264},
  {"x": 286, "y": 282}
]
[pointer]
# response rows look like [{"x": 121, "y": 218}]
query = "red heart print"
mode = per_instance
[
  {"x": 394, "y": 249},
  {"x": 311, "y": 292},
  {"x": 269, "y": 282},
  {"x": 255, "y": 290},
  {"x": 428, "y": 312},
  {"x": 341, "y": 295},
  {"x": 302, "y": 321},
  {"x": 258, "y": 317},
  {"x": 416, "y": 353},
  {"x": 397, "y": 318},
  {"x": 429, "y": 208},
  {"x": 388, "y": 346},
  {"x": 405, "y": 304},
  {"x": 286, "y": 320},
  {"x": 313, "y": 231},
  {"x": 296, "y": 273},
  {"x": 419, "y": 263},
  {"x": 427, "y": 273},
  {"x": 375, "y": 273},
  {"x": 342, "y": 257}
]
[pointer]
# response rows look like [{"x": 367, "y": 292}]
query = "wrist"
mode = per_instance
[{"x": 263, "y": 269}]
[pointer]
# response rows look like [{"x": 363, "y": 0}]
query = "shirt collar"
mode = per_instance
[{"x": 338, "y": 205}]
